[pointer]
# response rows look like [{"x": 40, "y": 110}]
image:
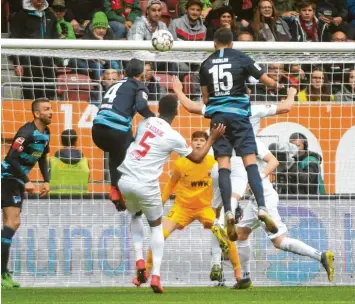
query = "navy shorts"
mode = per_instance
[
  {"x": 12, "y": 193},
  {"x": 239, "y": 136}
]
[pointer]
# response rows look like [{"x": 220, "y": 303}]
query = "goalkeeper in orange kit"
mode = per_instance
[{"x": 192, "y": 185}]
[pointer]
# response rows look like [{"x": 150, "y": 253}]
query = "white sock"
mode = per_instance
[
  {"x": 221, "y": 217},
  {"x": 244, "y": 257},
  {"x": 137, "y": 231},
  {"x": 298, "y": 247},
  {"x": 234, "y": 203},
  {"x": 157, "y": 245},
  {"x": 216, "y": 251}
]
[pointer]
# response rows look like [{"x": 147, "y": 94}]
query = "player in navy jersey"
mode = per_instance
[
  {"x": 112, "y": 127},
  {"x": 223, "y": 77},
  {"x": 30, "y": 145}
]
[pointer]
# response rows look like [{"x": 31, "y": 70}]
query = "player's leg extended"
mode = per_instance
[
  {"x": 168, "y": 228},
  {"x": 225, "y": 186},
  {"x": 256, "y": 186},
  {"x": 244, "y": 257},
  {"x": 157, "y": 245},
  {"x": 298, "y": 247},
  {"x": 11, "y": 222}
]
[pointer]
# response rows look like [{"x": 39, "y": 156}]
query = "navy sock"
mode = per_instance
[
  {"x": 255, "y": 184},
  {"x": 225, "y": 186},
  {"x": 6, "y": 239}
]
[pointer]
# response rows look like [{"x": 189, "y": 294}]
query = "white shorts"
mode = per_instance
[
  {"x": 142, "y": 197},
  {"x": 250, "y": 215},
  {"x": 239, "y": 179}
]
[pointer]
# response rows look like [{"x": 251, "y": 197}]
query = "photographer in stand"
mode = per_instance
[{"x": 65, "y": 29}]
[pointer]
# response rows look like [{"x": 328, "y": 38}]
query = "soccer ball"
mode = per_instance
[{"x": 162, "y": 40}]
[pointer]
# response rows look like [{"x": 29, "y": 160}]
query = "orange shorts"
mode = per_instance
[{"x": 185, "y": 216}]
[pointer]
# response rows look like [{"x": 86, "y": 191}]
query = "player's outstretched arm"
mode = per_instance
[
  {"x": 170, "y": 185},
  {"x": 286, "y": 105},
  {"x": 272, "y": 164},
  {"x": 190, "y": 106},
  {"x": 199, "y": 155}
]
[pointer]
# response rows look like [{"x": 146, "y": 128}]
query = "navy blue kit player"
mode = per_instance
[
  {"x": 112, "y": 127},
  {"x": 223, "y": 77},
  {"x": 30, "y": 145}
]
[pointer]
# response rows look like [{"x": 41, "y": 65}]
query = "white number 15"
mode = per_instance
[{"x": 218, "y": 73}]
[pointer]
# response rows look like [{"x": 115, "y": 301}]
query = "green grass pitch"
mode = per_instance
[{"x": 215, "y": 295}]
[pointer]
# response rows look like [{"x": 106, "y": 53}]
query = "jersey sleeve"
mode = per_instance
[
  {"x": 252, "y": 68},
  {"x": 262, "y": 150},
  {"x": 179, "y": 145},
  {"x": 203, "y": 78},
  {"x": 142, "y": 102},
  {"x": 263, "y": 110}
]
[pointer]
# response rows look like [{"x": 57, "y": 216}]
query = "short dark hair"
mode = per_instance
[
  {"x": 168, "y": 105},
  {"x": 199, "y": 134},
  {"x": 194, "y": 2},
  {"x": 36, "y": 103},
  {"x": 134, "y": 67},
  {"x": 69, "y": 138},
  {"x": 245, "y": 33},
  {"x": 307, "y": 3},
  {"x": 223, "y": 36}
]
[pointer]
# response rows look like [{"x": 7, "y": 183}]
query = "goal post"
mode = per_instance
[{"x": 81, "y": 240}]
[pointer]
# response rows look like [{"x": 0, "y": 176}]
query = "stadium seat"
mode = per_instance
[
  {"x": 70, "y": 91},
  {"x": 166, "y": 81},
  {"x": 173, "y": 6}
]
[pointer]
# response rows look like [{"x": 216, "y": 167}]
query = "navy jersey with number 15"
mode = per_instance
[{"x": 225, "y": 73}]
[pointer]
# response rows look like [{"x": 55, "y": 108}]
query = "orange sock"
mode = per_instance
[
  {"x": 234, "y": 259},
  {"x": 149, "y": 261}
]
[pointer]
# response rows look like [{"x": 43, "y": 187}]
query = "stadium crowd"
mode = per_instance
[{"x": 193, "y": 20}]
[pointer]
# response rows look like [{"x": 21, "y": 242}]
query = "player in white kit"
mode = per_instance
[{"x": 155, "y": 140}]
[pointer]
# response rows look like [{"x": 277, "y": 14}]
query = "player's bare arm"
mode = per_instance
[
  {"x": 286, "y": 105},
  {"x": 187, "y": 103},
  {"x": 170, "y": 185},
  {"x": 199, "y": 155},
  {"x": 272, "y": 164}
]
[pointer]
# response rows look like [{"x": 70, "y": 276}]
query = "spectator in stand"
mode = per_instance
[
  {"x": 80, "y": 12},
  {"x": 69, "y": 168},
  {"x": 190, "y": 26},
  {"x": 99, "y": 30},
  {"x": 332, "y": 11},
  {"x": 121, "y": 15},
  {"x": 35, "y": 21},
  {"x": 244, "y": 11},
  {"x": 295, "y": 75},
  {"x": 318, "y": 90},
  {"x": 144, "y": 27},
  {"x": 261, "y": 93},
  {"x": 245, "y": 36},
  {"x": 153, "y": 84},
  {"x": 267, "y": 25},
  {"x": 64, "y": 28},
  {"x": 307, "y": 27},
  {"x": 305, "y": 175},
  {"x": 110, "y": 77},
  {"x": 347, "y": 92},
  {"x": 207, "y": 7},
  {"x": 226, "y": 19},
  {"x": 286, "y": 8},
  {"x": 339, "y": 36}
]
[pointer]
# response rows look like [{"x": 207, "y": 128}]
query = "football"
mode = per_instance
[{"x": 162, "y": 40}]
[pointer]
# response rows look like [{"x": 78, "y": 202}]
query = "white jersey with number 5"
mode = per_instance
[{"x": 155, "y": 140}]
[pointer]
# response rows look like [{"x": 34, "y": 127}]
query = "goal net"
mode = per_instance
[{"x": 80, "y": 239}]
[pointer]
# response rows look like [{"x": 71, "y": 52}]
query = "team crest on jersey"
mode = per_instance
[
  {"x": 17, "y": 144},
  {"x": 17, "y": 199}
]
